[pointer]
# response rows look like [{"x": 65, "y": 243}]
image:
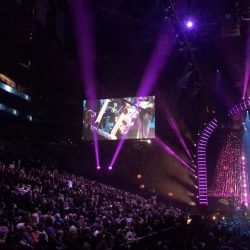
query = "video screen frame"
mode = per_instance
[{"x": 119, "y": 118}]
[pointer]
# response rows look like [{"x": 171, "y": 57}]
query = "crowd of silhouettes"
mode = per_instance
[{"x": 44, "y": 208}]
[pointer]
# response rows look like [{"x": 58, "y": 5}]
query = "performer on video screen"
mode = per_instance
[{"x": 146, "y": 106}]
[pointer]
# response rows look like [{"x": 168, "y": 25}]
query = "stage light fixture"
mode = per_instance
[
  {"x": 98, "y": 167},
  {"x": 110, "y": 167},
  {"x": 149, "y": 141},
  {"x": 139, "y": 176},
  {"x": 189, "y": 24}
]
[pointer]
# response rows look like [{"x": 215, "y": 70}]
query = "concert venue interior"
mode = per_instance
[{"x": 124, "y": 124}]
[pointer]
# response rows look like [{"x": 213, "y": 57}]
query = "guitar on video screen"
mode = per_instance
[{"x": 127, "y": 120}]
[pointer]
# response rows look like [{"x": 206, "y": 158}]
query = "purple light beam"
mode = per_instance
[
  {"x": 172, "y": 123},
  {"x": 154, "y": 68},
  {"x": 168, "y": 150},
  {"x": 247, "y": 65},
  {"x": 157, "y": 62},
  {"x": 85, "y": 43},
  {"x": 117, "y": 152}
]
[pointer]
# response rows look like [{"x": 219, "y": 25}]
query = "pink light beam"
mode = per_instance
[{"x": 170, "y": 151}]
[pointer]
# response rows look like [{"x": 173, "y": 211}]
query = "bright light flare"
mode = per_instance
[
  {"x": 139, "y": 176},
  {"x": 189, "y": 24}
]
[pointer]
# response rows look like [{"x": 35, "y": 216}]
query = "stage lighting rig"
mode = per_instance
[{"x": 181, "y": 27}]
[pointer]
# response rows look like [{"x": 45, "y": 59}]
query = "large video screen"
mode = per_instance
[{"x": 116, "y": 118}]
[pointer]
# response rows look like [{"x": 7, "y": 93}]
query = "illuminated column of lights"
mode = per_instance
[
  {"x": 246, "y": 158},
  {"x": 244, "y": 105},
  {"x": 201, "y": 160},
  {"x": 244, "y": 182},
  {"x": 230, "y": 179}
]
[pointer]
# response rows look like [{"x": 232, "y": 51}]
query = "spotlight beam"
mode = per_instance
[
  {"x": 83, "y": 25},
  {"x": 172, "y": 123},
  {"x": 117, "y": 151},
  {"x": 83, "y": 30},
  {"x": 247, "y": 65},
  {"x": 156, "y": 64},
  {"x": 154, "y": 68},
  {"x": 170, "y": 151}
]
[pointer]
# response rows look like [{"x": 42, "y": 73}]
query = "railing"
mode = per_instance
[{"x": 149, "y": 241}]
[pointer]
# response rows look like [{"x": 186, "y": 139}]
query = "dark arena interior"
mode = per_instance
[{"x": 124, "y": 124}]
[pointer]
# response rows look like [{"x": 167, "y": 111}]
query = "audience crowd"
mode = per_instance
[{"x": 42, "y": 208}]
